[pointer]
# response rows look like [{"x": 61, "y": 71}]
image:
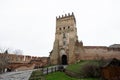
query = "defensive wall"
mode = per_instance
[
  {"x": 99, "y": 52},
  {"x": 23, "y": 62}
]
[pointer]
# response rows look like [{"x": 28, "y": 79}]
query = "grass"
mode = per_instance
[
  {"x": 77, "y": 67},
  {"x": 63, "y": 76},
  {"x": 36, "y": 75}
]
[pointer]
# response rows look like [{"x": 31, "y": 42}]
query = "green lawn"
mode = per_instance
[
  {"x": 77, "y": 67},
  {"x": 62, "y": 76},
  {"x": 36, "y": 75}
]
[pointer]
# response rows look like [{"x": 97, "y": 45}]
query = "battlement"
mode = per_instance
[
  {"x": 66, "y": 20},
  {"x": 66, "y": 17},
  {"x": 103, "y": 48}
]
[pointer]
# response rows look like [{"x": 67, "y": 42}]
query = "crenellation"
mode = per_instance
[
  {"x": 70, "y": 16},
  {"x": 19, "y": 58},
  {"x": 65, "y": 15}
]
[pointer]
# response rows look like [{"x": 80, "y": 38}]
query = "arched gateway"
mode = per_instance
[{"x": 64, "y": 60}]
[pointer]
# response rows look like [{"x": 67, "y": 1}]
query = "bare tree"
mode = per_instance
[
  {"x": 5, "y": 50},
  {"x": 4, "y": 60},
  {"x": 2, "y": 50},
  {"x": 18, "y": 52},
  {"x": 4, "y": 57}
]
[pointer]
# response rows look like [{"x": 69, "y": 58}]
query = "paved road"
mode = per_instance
[{"x": 19, "y": 75}]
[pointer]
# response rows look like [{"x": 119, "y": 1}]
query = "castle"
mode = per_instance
[{"x": 67, "y": 49}]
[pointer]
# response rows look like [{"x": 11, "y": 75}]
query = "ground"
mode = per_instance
[
  {"x": 19, "y": 75},
  {"x": 76, "y": 67},
  {"x": 63, "y": 76}
]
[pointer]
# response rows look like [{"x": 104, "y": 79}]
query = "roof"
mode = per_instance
[
  {"x": 113, "y": 62},
  {"x": 115, "y": 46}
]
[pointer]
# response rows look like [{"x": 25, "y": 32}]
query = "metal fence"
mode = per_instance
[
  {"x": 46, "y": 71},
  {"x": 49, "y": 69}
]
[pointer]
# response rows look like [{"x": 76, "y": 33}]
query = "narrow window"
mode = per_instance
[
  {"x": 64, "y": 35},
  {"x": 68, "y": 27},
  {"x": 63, "y": 27},
  {"x": 64, "y": 43},
  {"x": 59, "y": 28}
]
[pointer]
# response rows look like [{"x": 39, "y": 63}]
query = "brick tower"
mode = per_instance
[{"x": 65, "y": 40}]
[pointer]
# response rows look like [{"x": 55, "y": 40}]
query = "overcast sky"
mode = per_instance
[{"x": 29, "y": 25}]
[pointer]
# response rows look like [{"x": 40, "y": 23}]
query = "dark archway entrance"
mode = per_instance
[{"x": 64, "y": 60}]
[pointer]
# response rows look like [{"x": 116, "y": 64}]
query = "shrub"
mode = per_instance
[{"x": 90, "y": 70}]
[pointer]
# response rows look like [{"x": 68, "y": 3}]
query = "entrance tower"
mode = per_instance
[{"x": 65, "y": 40}]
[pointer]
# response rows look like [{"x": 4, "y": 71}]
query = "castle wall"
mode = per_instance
[
  {"x": 99, "y": 52},
  {"x": 13, "y": 58},
  {"x": 20, "y": 66},
  {"x": 25, "y": 67}
]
